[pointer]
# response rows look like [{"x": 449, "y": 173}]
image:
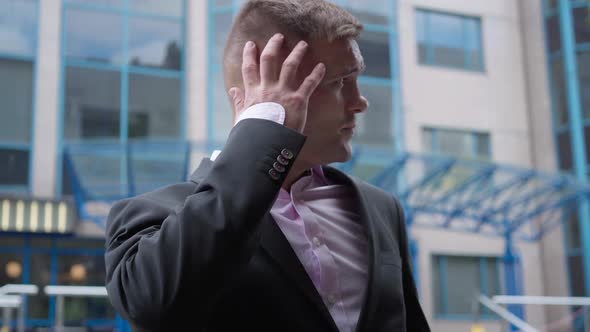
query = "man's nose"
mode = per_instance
[{"x": 359, "y": 105}]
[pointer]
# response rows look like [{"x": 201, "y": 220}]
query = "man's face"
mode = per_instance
[{"x": 335, "y": 103}]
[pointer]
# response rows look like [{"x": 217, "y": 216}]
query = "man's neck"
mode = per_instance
[{"x": 297, "y": 171}]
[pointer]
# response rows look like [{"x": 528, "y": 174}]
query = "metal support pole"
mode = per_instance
[
  {"x": 21, "y": 314},
  {"x": 6, "y": 320},
  {"x": 512, "y": 277},
  {"x": 59, "y": 313}
]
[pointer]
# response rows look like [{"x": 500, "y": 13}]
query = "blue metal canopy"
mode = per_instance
[{"x": 474, "y": 196}]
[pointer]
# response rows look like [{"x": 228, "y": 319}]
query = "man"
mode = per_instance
[{"x": 264, "y": 236}]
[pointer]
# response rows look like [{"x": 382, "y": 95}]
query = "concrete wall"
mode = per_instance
[
  {"x": 46, "y": 104},
  {"x": 197, "y": 81},
  {"x": 493, "y": 101}
]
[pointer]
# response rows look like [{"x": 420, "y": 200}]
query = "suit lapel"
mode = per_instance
[
  {"x": 278, "y": 248},
  {"x": 369, "y": 306}
]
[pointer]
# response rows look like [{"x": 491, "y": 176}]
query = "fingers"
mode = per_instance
[
  {"x": 291, "y": 64},
  {"x": 312, "y": 81},
  {"x": 250, "y": 73},
  {"x": 269, "y": 59}
]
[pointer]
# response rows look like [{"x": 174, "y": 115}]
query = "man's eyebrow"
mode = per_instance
[{"x": 356, "y": 69}]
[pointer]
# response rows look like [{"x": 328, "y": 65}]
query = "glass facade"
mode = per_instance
[
  {"x": 18, "y": 33},
  {"x": 449, "y": 40},
  {"x": 378, "y": 83},
  {"x": 123, "y": 80}
]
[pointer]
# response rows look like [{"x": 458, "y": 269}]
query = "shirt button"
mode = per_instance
[{"x": 316, "y": 242}]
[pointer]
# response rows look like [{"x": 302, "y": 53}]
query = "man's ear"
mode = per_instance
[{"x": 237, "y": 97}]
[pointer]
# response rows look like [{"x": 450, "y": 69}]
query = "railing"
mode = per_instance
[
  {"x": 61, "y": 292},
  {"x": 12, "y": 296},
  {"x": 495, "y": 305}
]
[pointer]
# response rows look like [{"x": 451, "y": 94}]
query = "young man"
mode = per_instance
[{"x": 264, "y": 236}]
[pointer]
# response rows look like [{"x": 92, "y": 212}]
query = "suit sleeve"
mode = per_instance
[
  {"x": 415, "y": 319},
  {"x": 190, "y": 239}
]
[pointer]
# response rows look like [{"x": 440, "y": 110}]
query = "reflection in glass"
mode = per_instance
[
  {"x": 14, "y": 166},
  {"x": 449, "y": 40},
  {"x": 16, "y": 94},
  {"x": 222, "y": 3},
  {"x": 158, "y": 7},
  {"x": 83, "y": 270},
  {"x": 375, "y": 50},
  {"x": 446, "y": 37},
  {"x": 18, "y": 27},
  {"x": 462, "y": 284},
  {"x": 422, "y": 37},
  {"x": 106, "y": 3},
  {"x": 92, "y": 102},
  {"x": 553, "y": 33},
  {"x": 564, "y": 146},
  {"x": 582, "y": 24},
  {"x": 371, "y": 11},
  {"x": 374, "y": 125},
  {"x": 457, "y": 143},
  {"x": 155, "y": 43},
  {"x": 576, "y": 275},
  {"x": 584, "y": 78},
  {"x": 94, "y": 36},
  {"x": 221, "y": 27},
  {"x": 559, "y": 90},
  {"x": 154, "y": 107},
  {"x": 40, "y": 276},
  {"x": 222, "y": 111}
]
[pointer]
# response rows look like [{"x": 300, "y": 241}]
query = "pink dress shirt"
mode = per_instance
[{"x": 320, "y": 220}]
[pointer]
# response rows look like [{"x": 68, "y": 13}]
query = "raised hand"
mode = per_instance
[{"x": 268, "y": 80}]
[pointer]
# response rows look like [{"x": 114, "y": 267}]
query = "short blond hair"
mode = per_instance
[{"x": 308, "y": 20}]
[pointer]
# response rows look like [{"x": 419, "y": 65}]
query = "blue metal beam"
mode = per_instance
[
  {"x": 576, "y": 128},
  {"x": 477, "y": 177},
  {"x": 433, "y": 174}
]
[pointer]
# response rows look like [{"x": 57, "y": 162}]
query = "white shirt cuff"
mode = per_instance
[{"x": 266, "y": 111}]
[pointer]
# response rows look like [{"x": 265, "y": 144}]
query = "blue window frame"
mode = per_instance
[
  {"x": 457, "y": 143},
  {"x": 380, "y": 127},
  {"x": 18, "y": 50},
  {"x": 123, "y": 80},
  {"x": 449, "y": 40},
  {"x": 458, "y": 280}
]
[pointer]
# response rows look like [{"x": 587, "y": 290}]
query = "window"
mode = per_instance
[
  {"x": 449, "y": 40},
  {"x": 456, "y": 143},
  {"x": 123, "y": 79},
  {"x": 18, "y": 32},
  {"x": 458, "y": 280}
]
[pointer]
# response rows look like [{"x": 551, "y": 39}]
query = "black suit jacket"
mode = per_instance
[{"x": 206, "y": 255}]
